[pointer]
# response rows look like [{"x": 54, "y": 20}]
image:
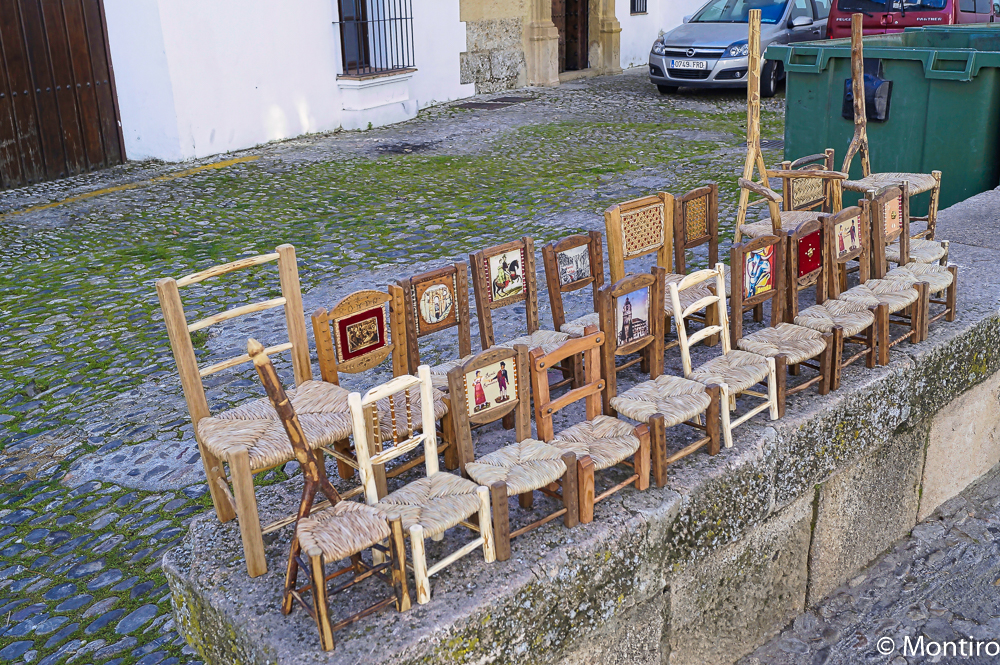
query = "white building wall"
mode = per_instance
[{"x": 639, "y": 31}]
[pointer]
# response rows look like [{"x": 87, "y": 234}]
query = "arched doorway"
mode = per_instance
[{"x": 571, "y": 18}]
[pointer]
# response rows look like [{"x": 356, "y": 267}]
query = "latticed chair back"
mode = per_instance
[
  {"x": 434, "y": 301},
  {"x": 360, "y": 332},
  {"x": 804, "y": 264},
  {"x": 502, "y": 276},
  {"x": 809, "y": 193},
  {"x": 848, "y": 240},
  {"x": 696, "y": 223},
  {"x": 713, "y": 277},
  {"x": 889, "y": 211},
  {"x": 639, "y": 227},
  {"x": 630, "y": 318},
  {"x": 757, "y": 268},
  {"x": 571, "y": 264}
]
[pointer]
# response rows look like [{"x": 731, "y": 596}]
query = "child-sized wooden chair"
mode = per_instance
[
  {"x": 760, "y": 277},
  {"x": 849, "y": 236},
  {"x": 248, "y": 439},
  {"x": 429, "y": 506},
  {"x": 918, "y": 182},
  {"x": 600, "y": 441},
  {"x": 359, "y": 333},
  {"x": 573, "y": 263},
  {"x": 434, "y": 301},
  {"x": 812, "y": 262},
  {"x": 488, "y": 387},
  {"x": 341, "y": 530},
  {"x": 735, "y": 371}
]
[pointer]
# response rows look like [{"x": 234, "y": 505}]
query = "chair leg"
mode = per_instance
[
  {"x": 585, "y": 485},
  {"x": 418, "y": 557},
  {"x": 397, "y": 550},
  {"x": 291, "y": 577},
  {"x": 658, "y": 449},
  {"x": 825, "y": 361},
  {"x": 213, "y": 473},
  {"x": 486, "y": 525},
  {"x": 501, "y": 519},
  {"x": 448, "y": 438},
  {"x": 526, "y": 500},
  {"x": 932, "y": 208},
  {"x": 918, "y": 314},
  {"x": 246, "y": 511},
  {"x": 882, "y": 321},
  {"x": 640, "y": 460},
  {"x": 712, "y": 419},
  {"x": 320, "y": 606},
  {"x": 951, "y": 298},
  {"x": 775, "y": 385},
  {"x": 570, "y": 491},
  {"x": 344, "y": 470},
  {"x": 838, "y": 357},
  {"x": 726, "y": 407}
]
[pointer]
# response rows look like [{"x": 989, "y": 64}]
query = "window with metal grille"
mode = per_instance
[
  {"x": 376, "y": 36},
  {"x": 638, "y": 6}
]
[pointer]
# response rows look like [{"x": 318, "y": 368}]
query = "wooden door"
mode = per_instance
[
  {"x": 559, "y": 18},
  {"x": 576, "y": 35},
  {"x": 58, "y": 108}
]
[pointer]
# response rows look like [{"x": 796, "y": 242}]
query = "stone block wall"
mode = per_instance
[{"x": 494, "y": 56}]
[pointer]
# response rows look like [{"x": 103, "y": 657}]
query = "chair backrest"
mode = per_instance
[
  {"x": 805, "y": 257},
  {"x": 434, "y": 301},
  {"x": 696, "y": 222},
  {"x": 848, "y": 240},
  {"x": 311, "y": 463},
  {"x": 889, "y": 217},
  {"x": 859, "y": 143},
  {"x": 808, "y": 193},
  {"x": 360, "y": 332},
  {"x": 545, "y": 407},
  {"x": 504, "y": 275},
  {"x": 631, "y": 316},
  {"x": 639, "y": 227},
  {"x": 757, "y": 267},
  {"x": 571, "y": 264},
  {"x": 179, "y": 330},
  {"x": 717, "y": 300},
  {"x": 486, "y": 388},
  {"x": 365, "y": 417}
]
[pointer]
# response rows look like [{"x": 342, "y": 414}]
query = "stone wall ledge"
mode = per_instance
[{"x": 701, "y": 571}]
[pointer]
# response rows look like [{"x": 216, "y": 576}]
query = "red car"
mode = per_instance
[{"x": 882, "y": 16}]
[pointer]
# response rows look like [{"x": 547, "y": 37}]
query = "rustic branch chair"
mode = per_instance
[
  {"x": 600, "y": 441},
  {"x": 434, "y": 301},
  {"x": 429, "y": 506},
  {"x": 918, "y": 182},
  {"x": 571, "y": 264},
  {"x": 849, "y": 236},
  {"x": 735, "y": 371},
  {"x": 361, "y": 331},
  {"x": 504, "y": 275},
  {"x": 761, "y": 277},
  {"x": 520, "y": 467},
  {"x": 811, "y": 263},
  {"x": 249, "y": 438},
  {"x": 341, "y": 530}
]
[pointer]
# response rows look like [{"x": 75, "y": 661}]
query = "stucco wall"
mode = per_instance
[{"x": 639, "y": 31}]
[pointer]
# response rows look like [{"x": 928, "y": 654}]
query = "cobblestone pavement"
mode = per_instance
[
  {"x": 98, "y": 465},
  {"x": 937, "y": 585}
]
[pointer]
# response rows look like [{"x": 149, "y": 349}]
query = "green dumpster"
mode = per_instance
[{"x": 943, "y": 111}]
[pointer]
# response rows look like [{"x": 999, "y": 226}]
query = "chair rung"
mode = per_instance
[
  {"x": 239, "y": 360},
  {"x": 235, "y": 312}
]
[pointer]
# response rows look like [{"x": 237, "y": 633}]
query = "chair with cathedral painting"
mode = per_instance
[
  {"x": 358, "y": 334},
  {"x": 504, "y": 276},
  {"x": 434, "y": 301}
]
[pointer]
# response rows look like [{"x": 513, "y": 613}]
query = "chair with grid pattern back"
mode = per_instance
[
  {"x": 336, "y": 531},
  {"x": 359, "y": 333},
  {"x": 249, "y": 438}
]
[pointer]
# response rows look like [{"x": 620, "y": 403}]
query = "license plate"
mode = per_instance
[{"x": 688, "y": 64}]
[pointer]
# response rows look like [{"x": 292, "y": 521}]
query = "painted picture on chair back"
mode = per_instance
[
  {"x": 360, "y": 333},
  {"x": 632, "y": 316},
  {"x": 847, "y": 236},
  {"x": 758, "y": 271},
  {"x": 810, "y": 253},
  {"x": 574, "y": 264},
  {"x": 434, "y": 300},
  {"x": 893, "y": 214},
  {"x": 490, "y": 387},
  {"x": 506, "y": 274}
]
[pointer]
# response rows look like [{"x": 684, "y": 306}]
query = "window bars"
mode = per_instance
[
  {"x": 376, "y": 36},
  {"x": 638, "y": 7}
]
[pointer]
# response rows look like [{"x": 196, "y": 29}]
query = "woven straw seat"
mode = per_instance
[
  {"x": 937, "y": 277},
  {"x": 436, "y": 503},
  {"x": 525, "y": 466},
  {"x": 739, "y": 370},
  {"x": 343, "y": 529},
  {"x": 576, "y": 327},
  {"x": 385, "y": 423},
  {"x": 789, "y": 220},
  {"x": 853, "y": 318},
  {"x": 919, "y": 182},
  {"x": 439, "y": 373},
  {"x": 895, "y": 293},
  {"x": 546, "y": 340},
  {"x": 921, "y": 251},
  {"x": 677, "y": 399},
  {"x": 607, "y": 440},
  {"x": 322, "y": 410},
  {"x": 797, "y": 343}
]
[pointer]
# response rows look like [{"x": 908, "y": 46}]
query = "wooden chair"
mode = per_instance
[
  {"x": 735, "y": 371},
  {"x": 812, "y": 262},
  {"x": 849, "y": 237},
  {"x": 918, "y": 182},
  {"x": 600, "y": 441},
  {"x": 359, "y": 333},
  {"x": 431, "y": 505},
  {"x": 434, "y": 301},
  {"x": 484, "y": 389},
  {"x": 571, "y": 264},
  {"x": 340, "y": 530},
  {"x": 248, "y": 439}
]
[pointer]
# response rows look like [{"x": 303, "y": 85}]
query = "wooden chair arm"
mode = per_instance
[
  {"x": 757, "y": 188},
  {"x": 808, "y": 173}
]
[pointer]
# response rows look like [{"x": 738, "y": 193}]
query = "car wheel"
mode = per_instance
[
  {"x": 667, "y": 89},
  {"x": 770, "y": 74}
]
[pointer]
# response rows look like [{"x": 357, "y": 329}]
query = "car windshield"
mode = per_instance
[
  {"x": 866, "y": 6},
  {"x": 920, "y": 5},
  {"x": 738, "y": 11}
]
